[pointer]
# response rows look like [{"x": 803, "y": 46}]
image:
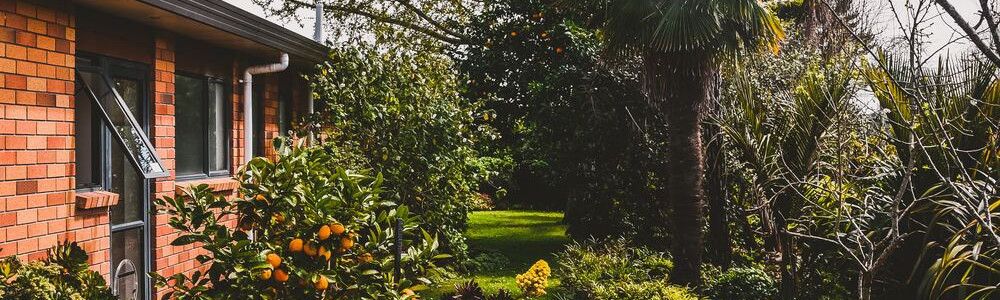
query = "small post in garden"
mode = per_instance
[{"x": 399, "y": 248}]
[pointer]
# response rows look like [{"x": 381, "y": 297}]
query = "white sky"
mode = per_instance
[{"x": 307, "y": 17}]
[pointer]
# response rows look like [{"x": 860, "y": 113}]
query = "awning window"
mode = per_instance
[{"x": 125, "y": 128}]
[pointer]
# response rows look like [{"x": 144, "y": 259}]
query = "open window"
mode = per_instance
[{"x": 125, "y": 128}]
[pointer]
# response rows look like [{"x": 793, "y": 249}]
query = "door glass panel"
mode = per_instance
[
  {"x": 217, "y": 127},
  {"x": 125, "y": 128},
  {"x": 125, "y": 179},
  {"x": 128, "y": 281}
]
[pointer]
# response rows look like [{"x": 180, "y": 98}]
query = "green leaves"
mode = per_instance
[
  {"x": 716, "y": 26},
  {"x": 401, "y": 116}
]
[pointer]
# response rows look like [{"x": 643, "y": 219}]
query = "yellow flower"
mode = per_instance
[{"x": 534, "y": 281}]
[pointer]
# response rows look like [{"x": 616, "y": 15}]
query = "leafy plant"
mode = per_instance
[
  {"x": 746, "y": 283},
  {"x": 63, "y": 275},
  {"x": 603, "y": 267},
  {"x": 318, "y": 231},
  {"x": 471, "y": 291},
  {"x": 653, "y": 290},
  {"x": 401, "y": 116},
  {"x": 486, "y": 260}
]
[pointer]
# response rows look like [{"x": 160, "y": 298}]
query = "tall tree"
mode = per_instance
[{"x": 680, "y": 42}]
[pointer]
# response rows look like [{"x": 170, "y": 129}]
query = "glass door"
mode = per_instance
[
  {"x": 128, "y": 218},
  {"x": 119, "y": 92}
]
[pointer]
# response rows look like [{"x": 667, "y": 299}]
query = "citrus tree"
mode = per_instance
[
  {"x": 401, "y": 115},
  {"x": 307, "y": 229}
]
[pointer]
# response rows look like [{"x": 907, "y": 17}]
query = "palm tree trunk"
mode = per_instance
[
  {"x": 785, "y": 243},
  {"x": 680, "y": 84}
]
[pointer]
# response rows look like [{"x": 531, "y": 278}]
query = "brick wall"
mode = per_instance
[
  {"x": 38, "y": 204},
  {"x": 270, "y": 114},
  {"x": 37, "y": 57}
]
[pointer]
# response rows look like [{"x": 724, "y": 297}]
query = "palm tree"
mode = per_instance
[{"x": 681, "y": 43}]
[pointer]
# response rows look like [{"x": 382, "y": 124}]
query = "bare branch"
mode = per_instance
[{"x": 969, "y": 31}]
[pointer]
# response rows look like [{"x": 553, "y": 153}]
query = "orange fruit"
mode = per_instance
[
  {"x": 280, "y": 275},
  {"x": 324, "y": 233},
  {"x": 346, "y": 243},
  {"x": 337, "y": 229},
  {"x": 559, "y": 50},
  {"x": 278, "y": 218},
  {"x": 324, "y": 253},
  {"x": 408, "y": 292},
  {"x": 545, "y": 35},
  {"x": 321, "y": 284},
  {"x": 513, "y": 33},
  {"x": 365, "y": 258},
  {"x": 274, "y": 260},
  {"x": 264, "y": 275},
  {"x": 295, "y": 245},
  {"x": 310, "y": 249},
  {"x": 260, "y": 197}
]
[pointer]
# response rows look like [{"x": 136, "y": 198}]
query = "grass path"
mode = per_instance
[{"x": 523, "y": 236}]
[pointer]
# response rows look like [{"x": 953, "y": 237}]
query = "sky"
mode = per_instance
[
  {"x": 941, "y": 28},
  {"x": 306, "y": 16}
]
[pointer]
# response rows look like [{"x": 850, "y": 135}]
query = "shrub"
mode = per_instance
[
  {"x": 400, "y": 114},
  {"x": 319, "y": 232},
  {"x": 584, "y": 266},
  {"x": 652, "y": 290},
  {"x": 746, "y": 283},
  {"x": 63, "y": 275},
  {"x": 483, "y": 260},
  {"x": 596, "y": 269},
  {"x": 471, "y": 291}
]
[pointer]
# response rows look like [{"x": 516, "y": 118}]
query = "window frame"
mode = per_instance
[
  {"x": 101, "y": 69},
  {"x": 206, "y": 170}
]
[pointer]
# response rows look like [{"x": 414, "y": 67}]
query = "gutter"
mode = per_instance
[{"x": 248, "y": 100}]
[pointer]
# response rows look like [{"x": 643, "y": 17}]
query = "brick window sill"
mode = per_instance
[
  {"x": 217, "y": 185},
  {"x": 96, "y": 199}
]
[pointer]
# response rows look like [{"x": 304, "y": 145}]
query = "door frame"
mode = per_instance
[{"x": 111, "y": 68}]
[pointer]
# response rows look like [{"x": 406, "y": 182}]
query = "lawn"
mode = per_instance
[{"x": 524, "y": 237}]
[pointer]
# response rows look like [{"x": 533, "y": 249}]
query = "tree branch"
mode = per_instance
[
  {"x": 990, "y": 22},
  {"x": 971, "y": 33},
  {"x": 420, "y": 13},
  {"x": 389, "y": 20}
]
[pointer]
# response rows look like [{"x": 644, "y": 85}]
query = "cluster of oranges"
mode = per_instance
[
  {"x": 544, "y": 35},
  {"x": 316, "y": 249},
  {"x": 279, "y": 274},
  {"x": 534, "y": 281}
]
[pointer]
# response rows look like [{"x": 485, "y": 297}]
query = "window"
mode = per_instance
[
  {"x": 202, "y": 133},
  {"x": 118, "y": 116},
  {"x": 89, "y": 139}
]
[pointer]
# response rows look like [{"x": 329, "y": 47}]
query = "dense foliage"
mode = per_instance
[
  {"x": 318, "y": 231},
  {"x": 471, "y": 291},
  {"x": 607, "y": 270},
  {"x": 402, "y": 116},
  {"x": 581, "y": 135},
  {"x": 64, "y": 274},
  {"x": 843, "y": 171},
  {"x": 746, "y": 283}
]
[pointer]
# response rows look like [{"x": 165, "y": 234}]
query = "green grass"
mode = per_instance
[{"x": 523, "y": 236}]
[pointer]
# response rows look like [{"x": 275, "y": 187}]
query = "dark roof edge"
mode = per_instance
[{"x": 232, "y": 19}]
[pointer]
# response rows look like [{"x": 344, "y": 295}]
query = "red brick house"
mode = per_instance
[{"x": 106, "y": 104}]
